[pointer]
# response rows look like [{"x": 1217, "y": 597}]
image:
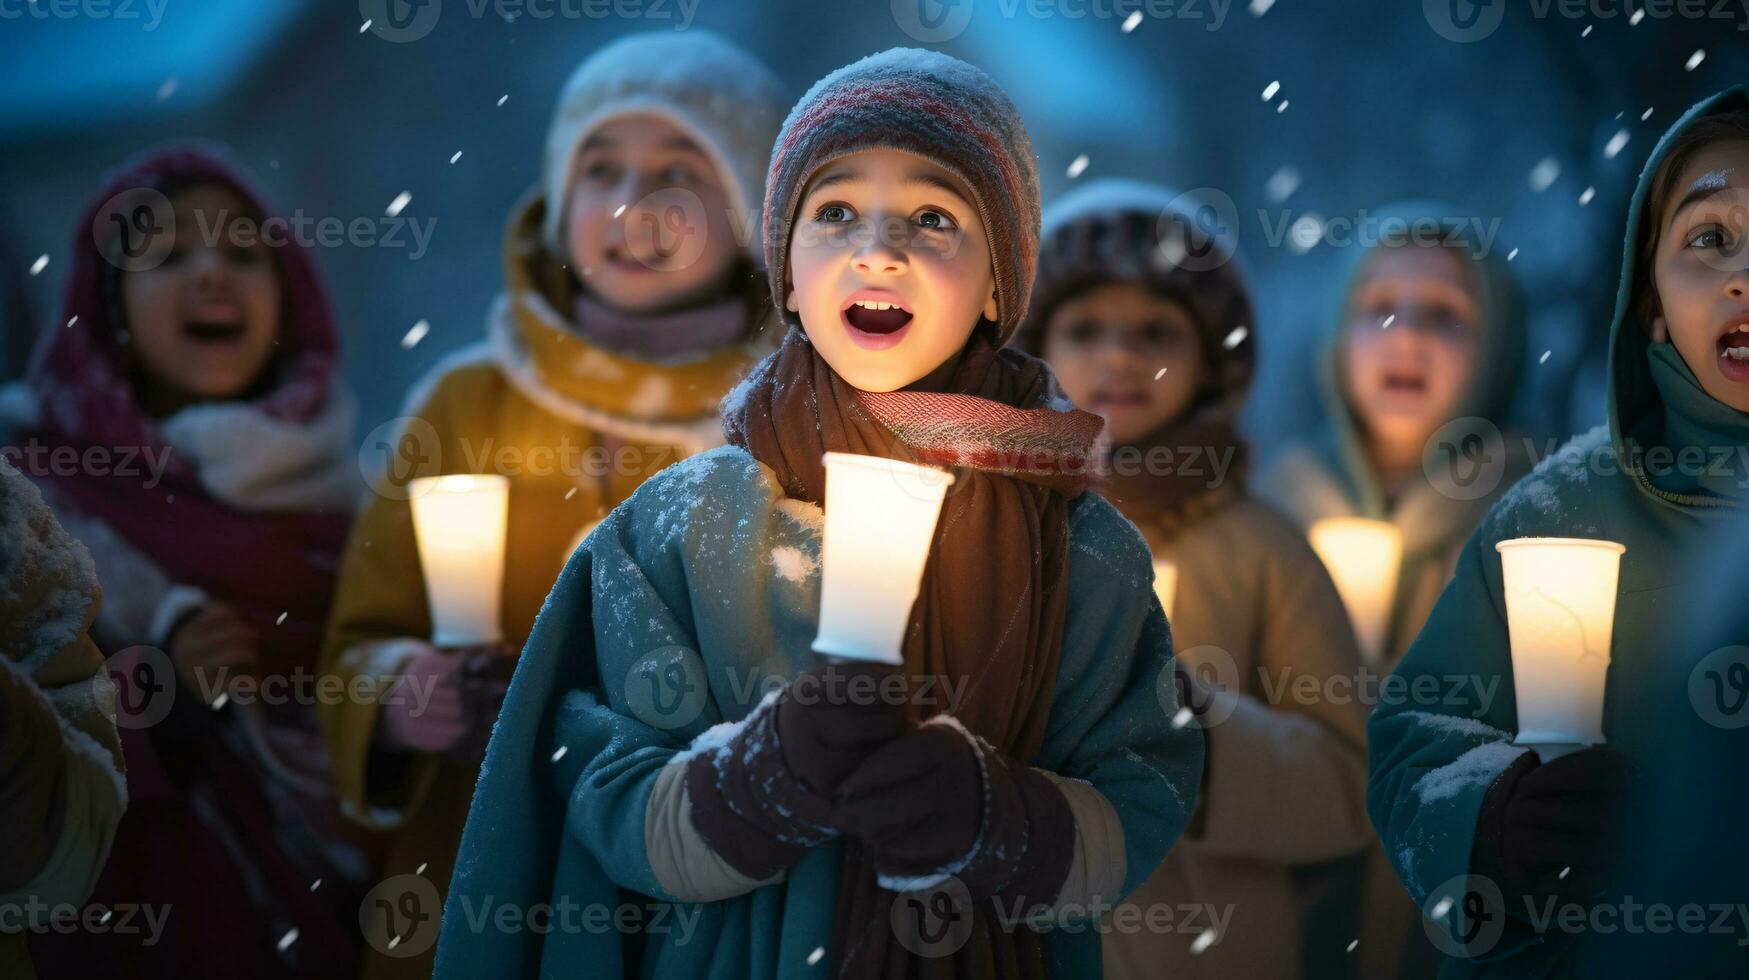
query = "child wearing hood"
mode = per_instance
[
  {"x": 1450, "y": 793},
  {"x": 1417, "y": 380},
  {"x": 817, "y": 830},
  {"x": 61, "y": 786},
  {"x": 1165, "y": 353},
  {"x": 192, "y": 376},
  {"x": 633, "y": 302}
]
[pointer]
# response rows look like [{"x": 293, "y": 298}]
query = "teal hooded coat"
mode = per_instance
[
  {"x": 710, "y": 574},
  {"x": 1432, "y": 762}
]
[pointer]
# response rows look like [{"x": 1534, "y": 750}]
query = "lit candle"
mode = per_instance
[
  {"x": 1560, "y": 613},
  {"x": 459, "y": 524},
  {"x": 880, "y": 519},
  {"x": 1363, "y": 557},
  {"x": 1166, "y": 584}
]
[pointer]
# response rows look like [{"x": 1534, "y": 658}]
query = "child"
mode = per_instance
[
  {"x": 812, "y": 833},
  {"x": 1165, "y": 354},
  {"x": 1450, "y": 793},
  {"x": 604, "y": 361},
  {"x": 1429, "y": 333},
  {"x": 195, "y": 381},
  {"x": 61, "y": 790}
]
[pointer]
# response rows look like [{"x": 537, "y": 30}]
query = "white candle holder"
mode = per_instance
[
  {"x": 880, "y": 519},
  {"x": 1363, "y": 557},
  {"x": 1560, "y": 614},
  {"x": 459, "y": 522}
]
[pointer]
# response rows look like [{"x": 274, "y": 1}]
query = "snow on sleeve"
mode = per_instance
[
  {"x": 1549, "y": 494},
  {"x": 1476, "y": 768},
  {"x": 47, "y": 579},
  {"x": 793, "y": 565}
]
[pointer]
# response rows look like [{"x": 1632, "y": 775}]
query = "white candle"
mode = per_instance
[
  {"x": 1560, "y": 613},
  {"x": 1166, "y": 584},
  {"x": 1363, "y": 557},
  {"x": 880, "y": 519},
  {"x": 459, "y": 523}
]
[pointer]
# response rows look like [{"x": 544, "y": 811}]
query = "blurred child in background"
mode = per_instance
[
  {"x": 633, "y": 301},
  {"x": 193, "y": 374}
]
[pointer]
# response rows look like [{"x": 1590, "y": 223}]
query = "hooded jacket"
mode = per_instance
[
  {"x": 1432, "y": 764},
  {"x": 575, "y": 426}
]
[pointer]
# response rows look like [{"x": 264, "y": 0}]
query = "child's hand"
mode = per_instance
[
  {"x": 445, "y": 701},
  {"x": 940, "y": 801},
  {"x": 830, "y": 718},
  {"x": 1542, "y": 818},
  {"x": 209, "y": 645}
]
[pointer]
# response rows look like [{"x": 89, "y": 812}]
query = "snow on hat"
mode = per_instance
[
  {"x": 1115, "y": 230},
  {"x": 724, "y": 98},
  {"x": 934, "y": 106}
]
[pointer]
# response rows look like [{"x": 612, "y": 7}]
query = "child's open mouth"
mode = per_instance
[
  {"x": 876, "y": 318},
  {"x": 1405, "y": 383},
  {"x": 1734, "y": 353},
  {"x": 213, "y": 331}
]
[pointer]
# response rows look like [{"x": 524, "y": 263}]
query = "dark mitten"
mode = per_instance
[
  {"x": 1540, "y": 818},
  {"x": 939, "y": 801},
  {"x": 763, "y": 797},
  {"x": 830, "y": 718},
  {"x": 484, "y": 679}
]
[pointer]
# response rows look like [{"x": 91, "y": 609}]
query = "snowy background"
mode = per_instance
[{"x": 1373, "y": 102}]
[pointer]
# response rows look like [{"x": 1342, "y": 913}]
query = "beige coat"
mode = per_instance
[{"x": 1285, "y": 779}]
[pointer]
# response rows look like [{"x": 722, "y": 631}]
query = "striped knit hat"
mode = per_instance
[{"x": 939, "y": 108}]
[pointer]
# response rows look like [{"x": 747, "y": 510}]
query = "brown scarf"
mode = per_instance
[
  {"x": 993, "y": 598},
  {"x": 1161, "y": 503}
]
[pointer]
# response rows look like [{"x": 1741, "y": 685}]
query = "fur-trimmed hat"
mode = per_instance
[{"x": 725, "y": 99}]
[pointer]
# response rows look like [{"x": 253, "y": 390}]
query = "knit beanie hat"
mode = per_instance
[
  {"x": 720, "y": 96},
  {"x": 1113, "y": 230},
  {"x": 934, "y": 106}
]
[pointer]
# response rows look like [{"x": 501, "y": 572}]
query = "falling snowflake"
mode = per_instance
[
  {"x": 398, "y": 203},
  {"x": 1260, "y": 7},
  {"x": 166, "y": 90},
  {"x": 1203, "y": 941},
  {"x": 1512, "y": 255},
  {"x": 1282, "y": 184},
  {"x": 1159, "y": 374},
  {"x": 1390, "y": 318},
  {"x": 559, "y": 753},
  {"x": 816, "y": 955},
  {"x": 1586, "y": 32},
  {"x": 1077, "y": 166},
  {"x": 619, "y": 210},
  {"x": 1646, "y": 115},
  {"x": 1281, "y": 108},
  {"x": 421, "y": 869},
  {"x": 1270, "y": 90},
  {"x": 41, "y": 263},
  {"x": 457, "y": 155},
  {"x": 281, "y": 620},
  {"x": 503, "y": 99},
  {"x": 1182, "y": 717},
  {"x": 1441, "y": 907},
  {"x": 570, "y": 493},
  {"x": 1695, "y": 59},
  {"x": 1352, "y": 943},
  {"x": 315, "y": 884},
  {"x": 415, "y": 334},
  {"x": 1545, "y": 358},
  {"x": 219, "y": 702},
  {"x": 1130, "y": 22},
  {"x": 71, "y": 321},
  {"x": 364, "y": 26},
  {"x": 286, "y": 940},
  {"x": 1544, "y": 174},
  {"x": 1616, "y": 142},
  {"x": 1236, "y": 337},
  {"x": 1586, "y": 195},
  {"x": 1637, "y": 16}
]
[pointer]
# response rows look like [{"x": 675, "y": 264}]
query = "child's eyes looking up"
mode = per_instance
[{"x": 929, "y": 219}]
